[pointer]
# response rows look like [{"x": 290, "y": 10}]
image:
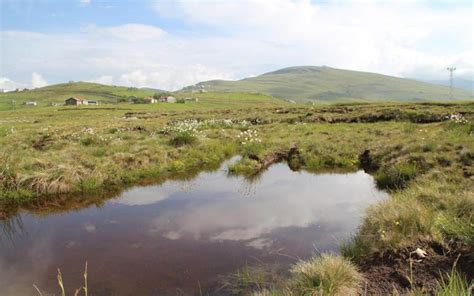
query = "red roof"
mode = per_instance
[{"x": 77, "y": 99}]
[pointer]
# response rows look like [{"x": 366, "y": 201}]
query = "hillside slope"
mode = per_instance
[
  {"x": 311, "y": 83},
  {"x": 90, "y": 91}
]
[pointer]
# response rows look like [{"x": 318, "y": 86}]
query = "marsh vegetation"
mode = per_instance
[{"x": 422, "y": 154}]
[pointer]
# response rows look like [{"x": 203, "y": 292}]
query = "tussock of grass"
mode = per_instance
[
  {"x": 431, "y": 208},
  {"x": 396, "y": 176},
  {"x": 183, "y": 139},
  {"x": 454, "y": 284},
  {"x": 326, "y": 275}
]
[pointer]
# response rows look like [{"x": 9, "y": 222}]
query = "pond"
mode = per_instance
[{"x": 180, "y": 237}]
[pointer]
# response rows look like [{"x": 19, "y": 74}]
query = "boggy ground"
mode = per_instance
[{"x": 421, "y": 153}]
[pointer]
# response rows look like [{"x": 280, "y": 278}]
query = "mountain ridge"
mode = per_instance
[{"x": 323, "y": 83}]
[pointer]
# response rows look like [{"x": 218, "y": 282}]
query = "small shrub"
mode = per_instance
[{"x": 327, "y": 274}]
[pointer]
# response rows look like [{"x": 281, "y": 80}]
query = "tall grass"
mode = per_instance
[
  {"x": 84, "y": 289},
  {"x": 326, "y": 275},
  {"x": 454, "y": 283}
]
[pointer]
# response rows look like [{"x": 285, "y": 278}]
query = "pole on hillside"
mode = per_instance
[{"x": 451, "y": 70}]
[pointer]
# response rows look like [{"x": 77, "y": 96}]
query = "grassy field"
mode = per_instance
[
  {"x": 421, "y": 153},
  {"x": 325, "y": 84}
]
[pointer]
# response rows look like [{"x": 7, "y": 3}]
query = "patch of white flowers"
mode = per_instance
[
  {"x": 249, "y": 136},
  {"x": 188, "y": 126},
  {"x": 194, "y": 127},
  {"x": 458, "y": 118},
  {"x": 89, "y": 132}
]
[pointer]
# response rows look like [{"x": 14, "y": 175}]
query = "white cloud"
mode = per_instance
[
  {"x": 104, "y": 79},
  {"x": 37, "y": 80},
  {"x": 84, "y": 2},
  {"x": 8, "y": 84},
  {"x": 234, "y": 39},
  {"x": 128, "y": 32}
]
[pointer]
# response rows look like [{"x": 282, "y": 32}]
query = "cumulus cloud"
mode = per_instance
[
  {"x": 37, "y": 80},
  {"x": 240, "y": 38}
]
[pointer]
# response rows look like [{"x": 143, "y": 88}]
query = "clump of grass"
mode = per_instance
[
  {"x": 356, "y": 249},
  {"x": 183, "y": 139},
  {"x": 60, "y": 280},
  {"x": 454, "y": 284},
  {"x": 327, "y": 274},
  {"x": 87, "y": 141},
  {"x": 245, "y": 166},
  {"x": 396, "y": 176},
  {"x": 272, "y": 292}
]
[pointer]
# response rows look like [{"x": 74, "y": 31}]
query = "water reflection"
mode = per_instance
[{"x": 183, "y": 234}]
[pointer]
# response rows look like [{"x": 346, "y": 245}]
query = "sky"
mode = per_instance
[{"x": 172, "y": 44}]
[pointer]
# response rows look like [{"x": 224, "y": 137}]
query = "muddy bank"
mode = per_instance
[{"x": 403, "y": 270}]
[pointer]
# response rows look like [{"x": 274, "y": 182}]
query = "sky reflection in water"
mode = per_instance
[{"x": 183, "y": 234}]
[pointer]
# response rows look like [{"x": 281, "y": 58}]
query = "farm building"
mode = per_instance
[
  {"x": 167, "y": 99},
  {"x": 75, "y": 101},
  {"x": 132, "y": 99},
  {"x": 150, "y": 100},
  {"x": 191, "y": 99}
]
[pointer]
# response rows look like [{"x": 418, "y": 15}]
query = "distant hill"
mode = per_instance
[
  {"x": 458, "y": 83},
  {"x": 310, "y": 83},
  {"x": 89, "y": 91}
]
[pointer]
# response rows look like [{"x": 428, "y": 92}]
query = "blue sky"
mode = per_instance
[{"x": 171, "y": 44}]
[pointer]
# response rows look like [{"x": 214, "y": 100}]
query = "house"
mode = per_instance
[
  {"x": 75, "y": 101},
  {"x": 150, "y": 100},
  {"x": 167, "y": 99},
  {"x": 31, "y": 103},
  {"x": 132, "y": 99},
  {"x": 191, "y": 100}
]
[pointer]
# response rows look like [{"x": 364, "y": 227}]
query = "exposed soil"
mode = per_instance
[
  {"x": 292, "y": 156},
  {"x": 42, "y": 143},
  {"x": 391, "y": 270}
]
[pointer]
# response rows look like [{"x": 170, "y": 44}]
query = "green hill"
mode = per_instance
[
  {"x": 59, "y": 92},
  {"x": 112, "y": 94},
  {"x": 327, "y": 84}
]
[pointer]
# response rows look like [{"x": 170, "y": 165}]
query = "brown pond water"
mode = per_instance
[{"x": 180, "y": 237}]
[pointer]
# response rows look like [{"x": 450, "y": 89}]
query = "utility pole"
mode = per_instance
[{"x": 451, "y": 70}]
